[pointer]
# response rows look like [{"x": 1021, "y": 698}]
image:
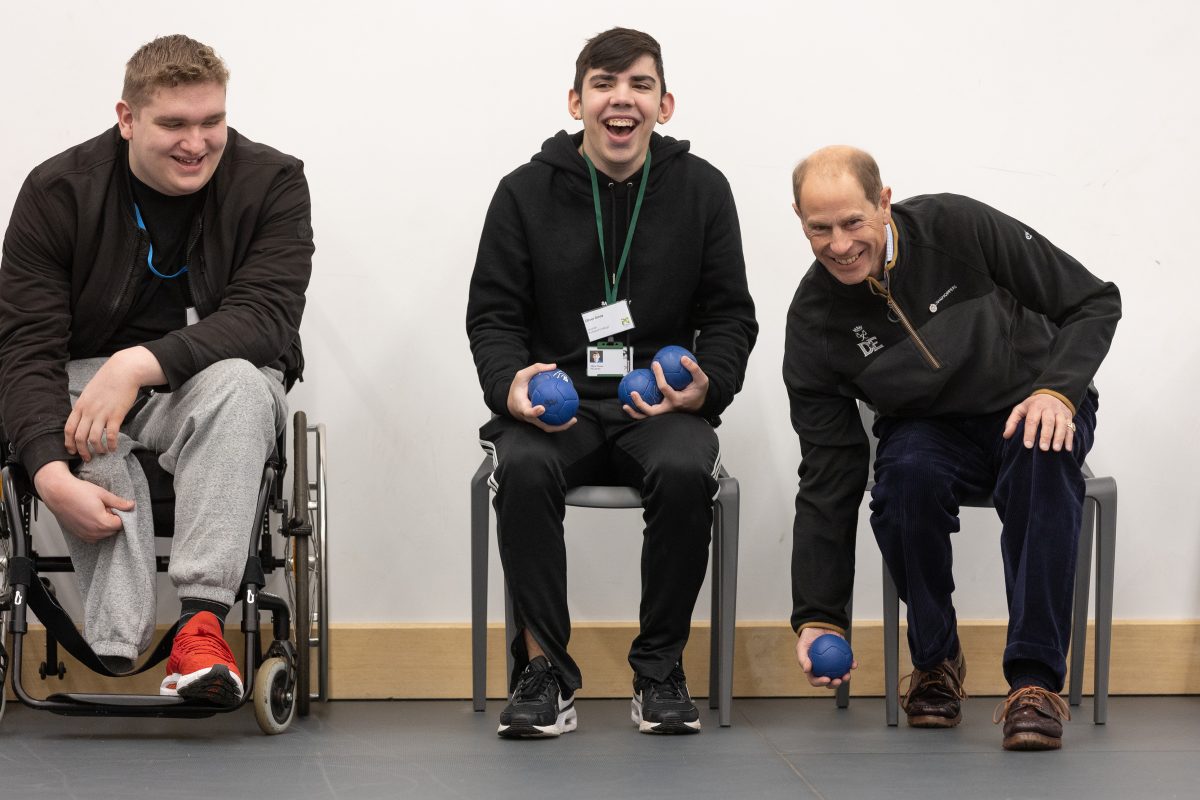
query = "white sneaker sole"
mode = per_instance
[{"x": 220, "y": 686}]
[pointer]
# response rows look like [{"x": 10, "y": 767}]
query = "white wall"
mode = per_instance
[{"x": 1078, "y": 118}]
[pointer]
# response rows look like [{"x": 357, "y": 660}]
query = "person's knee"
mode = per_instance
[
  {"x": 910, "y": 479},
  {"x": 235, "y": 374},
  {"x": 239, "y": 386},
  {"x": 522, "y": 470},
  {"x": 675, "y": 468}
]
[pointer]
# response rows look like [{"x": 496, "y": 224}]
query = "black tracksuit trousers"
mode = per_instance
[{"x": 670, "y": 458}]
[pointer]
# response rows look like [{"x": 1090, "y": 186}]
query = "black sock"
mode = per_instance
[
  {"x": 1028, "y": 672},
  {"x": 191, "y": 606}
]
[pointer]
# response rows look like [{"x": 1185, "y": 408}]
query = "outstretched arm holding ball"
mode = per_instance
[
  {"x": 690, "y": 398},
  {"x": 804, "y": 645},
  {"x": 518, "y": 399}
]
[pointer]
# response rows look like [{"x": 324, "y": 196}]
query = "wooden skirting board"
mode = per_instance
[{"x": 405, "y": 660}]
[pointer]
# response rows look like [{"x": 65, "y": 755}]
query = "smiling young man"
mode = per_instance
[
  {"x": 624, "y": 228},
  {"x": 151, "y": 292},
  {"x": 976, "y": 340}
]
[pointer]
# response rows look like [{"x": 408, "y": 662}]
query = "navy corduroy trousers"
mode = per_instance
[{"x": 925, "y": 468}]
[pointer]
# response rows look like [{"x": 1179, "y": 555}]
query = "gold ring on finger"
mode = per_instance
[{"x": 1071, "y": 427}]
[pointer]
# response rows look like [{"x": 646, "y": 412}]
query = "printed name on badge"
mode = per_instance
[{"x": 607, "y": 320}]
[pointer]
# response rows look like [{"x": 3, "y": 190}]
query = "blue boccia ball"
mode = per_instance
[
  {"x": 554, "y": 390},
  {"x": 644, "y": 383},
  {"x": 674, "y": 371},
  {"x": 830, "y": 656}
]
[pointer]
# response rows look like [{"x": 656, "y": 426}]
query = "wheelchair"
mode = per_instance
[{"x": 280, "y": 680}]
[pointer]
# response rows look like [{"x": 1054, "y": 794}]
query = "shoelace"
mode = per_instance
[
  {"x": 1030, "y": 696},
  {"x": 670, "y": 689},
  {"x": 532, "y": 685},
  {"x": 941, "y": 681},
  {"x": 204, "y": 643}
]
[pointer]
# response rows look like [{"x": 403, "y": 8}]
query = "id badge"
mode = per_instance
[
  {"x": 609, "y": 360},
  {"x": 607, "y": 321}
]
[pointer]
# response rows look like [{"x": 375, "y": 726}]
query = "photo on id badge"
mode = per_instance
[{"x": 608, "y": 360}]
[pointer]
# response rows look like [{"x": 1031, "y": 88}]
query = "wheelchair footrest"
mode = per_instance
[{"x": 127, "y": 705}]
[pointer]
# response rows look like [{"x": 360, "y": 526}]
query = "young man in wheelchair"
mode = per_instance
[{"x": 151, "y": 292}]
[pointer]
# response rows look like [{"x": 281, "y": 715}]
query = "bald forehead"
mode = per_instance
[{"x": 830, "y": 196}]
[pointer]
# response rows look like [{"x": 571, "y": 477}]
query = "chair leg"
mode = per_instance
[
  {"x": 510, "y": 626},
  {"x": 1106, "y": 547},
  {"x": 891, "y": 648},
  {"x": 843, "y": 691},
  {"x": 714, "y": 649},
  {"x": 730, "y": 509},
  {"x": 1083, "y": 579},
  {"x": 479, "y": 581}
]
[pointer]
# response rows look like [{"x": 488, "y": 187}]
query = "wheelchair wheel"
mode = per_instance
[{"x": 274, "y": 696}]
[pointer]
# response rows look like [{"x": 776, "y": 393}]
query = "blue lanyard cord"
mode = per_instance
[
  {"x": 610, "y": 290},
  {"x": 137, "y": 212}
]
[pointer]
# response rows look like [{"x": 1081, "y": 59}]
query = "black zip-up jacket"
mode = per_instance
[
  {"x": 984, "y": 312},
  {"x": 539, "y": 269},
  {"x": 72, "y": 253}
]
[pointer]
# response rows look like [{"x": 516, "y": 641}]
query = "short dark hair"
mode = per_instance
[{"x": 615, "y": 50}]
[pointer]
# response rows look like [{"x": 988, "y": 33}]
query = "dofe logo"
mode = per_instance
[{"x": 866, "y": 343}]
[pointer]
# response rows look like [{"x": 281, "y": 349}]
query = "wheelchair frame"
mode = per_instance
[{"x": 278, "y": 681}]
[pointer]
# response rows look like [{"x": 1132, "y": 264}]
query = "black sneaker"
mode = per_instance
[
  {"x": 537, "y": 708},
  {"x": 666, "y": 706}
]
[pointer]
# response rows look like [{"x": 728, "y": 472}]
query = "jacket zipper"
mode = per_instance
[
  {"x": 886, "y": 293},
  {"x": 197, "y": 275}
]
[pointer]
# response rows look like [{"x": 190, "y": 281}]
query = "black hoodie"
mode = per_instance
[{"x": 539, "y": 269}]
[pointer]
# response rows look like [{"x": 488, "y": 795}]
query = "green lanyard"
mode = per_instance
[{"x": 610, "y": 291}]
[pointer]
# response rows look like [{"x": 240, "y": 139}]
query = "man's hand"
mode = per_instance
[
  {"x": 1050, "y": 414},
  {"x": 807, "y": 637},
  {"x": 97, "y": 416},
  {"x": 689, "y": 398},
  {"x": 518, "y": 400},
  {"x": 82, "y": 509}
]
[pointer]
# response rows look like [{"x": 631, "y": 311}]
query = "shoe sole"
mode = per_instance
[
  {"x": 567, "y": 721},
  {"x": 1031, "y": 741},
  {"x": 934, "y": 721},
  {"x": 215, "y": 685},
  {"x": 669, "y": 728}
]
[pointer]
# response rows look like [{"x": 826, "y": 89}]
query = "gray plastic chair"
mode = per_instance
[
  {"x": 724, "y": 579},
  {"x": 1099, "y": 525}
]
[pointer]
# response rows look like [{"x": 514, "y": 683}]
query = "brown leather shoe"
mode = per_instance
[
  {"x": 1032, "y": 718},
  {"x": 934, "y": 697}
]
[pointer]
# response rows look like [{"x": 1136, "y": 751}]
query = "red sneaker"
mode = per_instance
[{"x": 201, "y": 665}]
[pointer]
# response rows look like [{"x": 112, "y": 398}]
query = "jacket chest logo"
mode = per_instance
[
  {"x": 867, "y": 343},
  {"x": 933, "y": 307}
]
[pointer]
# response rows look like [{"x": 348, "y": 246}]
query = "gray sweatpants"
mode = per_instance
[{"x": 213, "y": 434}]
